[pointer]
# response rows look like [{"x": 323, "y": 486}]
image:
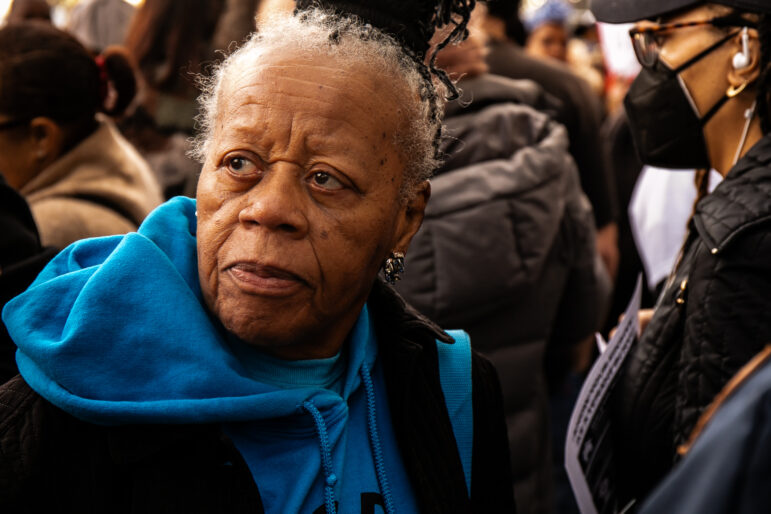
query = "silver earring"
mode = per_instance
[{"x": 393, "y": 267}]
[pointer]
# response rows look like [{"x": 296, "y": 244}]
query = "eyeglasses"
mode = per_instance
[
  {"x": 647, "y": 41},
  {"x": 5, "y": 125}
]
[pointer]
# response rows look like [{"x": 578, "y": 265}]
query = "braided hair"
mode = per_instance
[
  {"x": 413, "y": 24},
  {"x": 764, "y": 80}
]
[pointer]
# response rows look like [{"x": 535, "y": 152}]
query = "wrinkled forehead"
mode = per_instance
[
  {"x": 355, "y": 83},
  {"x": 318, "y": 105}
]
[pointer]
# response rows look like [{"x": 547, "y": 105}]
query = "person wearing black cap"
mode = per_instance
[{"x": 700, "y": 101}]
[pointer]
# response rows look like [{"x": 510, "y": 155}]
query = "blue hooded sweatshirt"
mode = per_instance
[{"x": 114, "y": 331}]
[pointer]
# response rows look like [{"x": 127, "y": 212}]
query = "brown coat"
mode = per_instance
[{"x": 100, "y": 187}]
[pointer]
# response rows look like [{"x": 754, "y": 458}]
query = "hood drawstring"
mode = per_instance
[
  {"x": 374, "y": 442},
  {"x": 326, "y": 457}
]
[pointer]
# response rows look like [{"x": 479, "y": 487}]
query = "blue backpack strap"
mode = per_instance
[{"x": 455, "y": 377}]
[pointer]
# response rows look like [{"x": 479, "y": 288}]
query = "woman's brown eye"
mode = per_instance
[
  {"x": 326, "y": 181},
  {"x": 241, "y": 166}
]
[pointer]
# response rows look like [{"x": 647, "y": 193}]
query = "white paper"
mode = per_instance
[
  {"x": 588, "y": 448},
  {"x": 617, "y": 49},
  {"x": 659, "y": 210},
  {"x": 602, "y": 345}
]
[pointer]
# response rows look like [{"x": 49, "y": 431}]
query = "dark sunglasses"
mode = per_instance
[{"x": 647, "y": 42}]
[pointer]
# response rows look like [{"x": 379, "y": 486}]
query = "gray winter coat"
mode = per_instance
[{"x": 506, "y": 252}]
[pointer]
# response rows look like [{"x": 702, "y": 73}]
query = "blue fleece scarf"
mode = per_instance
[{"x": 115, "y": 331}]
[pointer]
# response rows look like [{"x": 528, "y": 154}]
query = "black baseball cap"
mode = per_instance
[{"x": 623, "y": 11}]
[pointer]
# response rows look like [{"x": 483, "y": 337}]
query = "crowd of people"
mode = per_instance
[{"x": 323, "y": 256}]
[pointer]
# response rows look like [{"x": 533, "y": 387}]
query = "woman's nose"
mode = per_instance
[{"x": 277, "y": 202}]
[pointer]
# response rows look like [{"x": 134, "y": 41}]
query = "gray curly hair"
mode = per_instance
[{"x": 321, "y": 33}]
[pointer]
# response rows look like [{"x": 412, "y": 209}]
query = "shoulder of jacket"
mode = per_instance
[
  {"x": 24, "y": 417},
  {"x": 16, "y": 399},
  {"x": 24, "y": 414},
  {"x": 740, "y": 204}
]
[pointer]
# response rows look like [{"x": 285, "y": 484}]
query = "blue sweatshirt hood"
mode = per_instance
[{"x": 114, "y": 330}]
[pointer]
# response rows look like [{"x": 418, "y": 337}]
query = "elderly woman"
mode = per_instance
[{"x": 240, "y": 354}]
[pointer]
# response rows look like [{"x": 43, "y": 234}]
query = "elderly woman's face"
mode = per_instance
[{"x": 298, "y": 201}]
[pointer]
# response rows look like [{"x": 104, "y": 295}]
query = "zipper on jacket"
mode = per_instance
[{"x": 680, "y": 298}]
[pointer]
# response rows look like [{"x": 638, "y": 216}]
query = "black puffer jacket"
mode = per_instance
[
  {"x": 506, "y": 252},
  {"x": 712, "y": 317},
  {"x": 53, "y": 462}
]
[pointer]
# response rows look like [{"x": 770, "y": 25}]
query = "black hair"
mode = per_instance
[
  {"x": 508, "y": 12},
  {"x": 412, "y": 23},
  {"x": 47, "y": 72},
  {"x": 167, "y": 36},
  {"x": 764, "y": 80}
]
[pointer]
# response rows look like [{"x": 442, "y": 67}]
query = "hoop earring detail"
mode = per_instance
[
  {"x": 734, "y": 91},
  {"x": 393, "y": 267}
]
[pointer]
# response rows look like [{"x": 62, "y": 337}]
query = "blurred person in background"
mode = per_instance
[
  {"x": 236, "y": 23},
  {"x": 58, "y": 146},
  {"x": 22, "y": 10},
  {"x": 581, "y": 113},
  {"x": 547, "y": 33},
  {"x": 700, "y": 101},
  {"x": 507, "y": 251},
  {"x": 100, "y": 23},
  {"x": 171, "y": 42},
  {"x": 553, "y": 33},
  {"x": 584, "y": 53}
]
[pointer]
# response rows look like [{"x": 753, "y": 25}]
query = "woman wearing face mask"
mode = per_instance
[{"x": 701, "y": 101}]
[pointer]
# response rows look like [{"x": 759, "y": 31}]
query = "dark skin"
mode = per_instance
[
  {"x": 548, "y": 40},
  {"x": 299, "y": 201},
  {"x": 28, "y": 149}
]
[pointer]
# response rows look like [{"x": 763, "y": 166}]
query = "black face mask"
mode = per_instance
[{"x": 666, "y": 128}]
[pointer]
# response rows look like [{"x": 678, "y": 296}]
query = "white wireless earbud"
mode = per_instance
[{"x": 742, "y": 59}]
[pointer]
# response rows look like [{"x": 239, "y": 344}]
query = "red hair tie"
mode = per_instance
[{"x": 103, "y": 77}]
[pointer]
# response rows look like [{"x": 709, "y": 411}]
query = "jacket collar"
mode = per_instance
[
  {"x": 402, "y": 321},
  {"x": 419, "y": 418},
  {"x": 741, "y": 201}
]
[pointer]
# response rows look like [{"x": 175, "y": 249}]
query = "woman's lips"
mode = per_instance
[{"x": 264, "y": 280}]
